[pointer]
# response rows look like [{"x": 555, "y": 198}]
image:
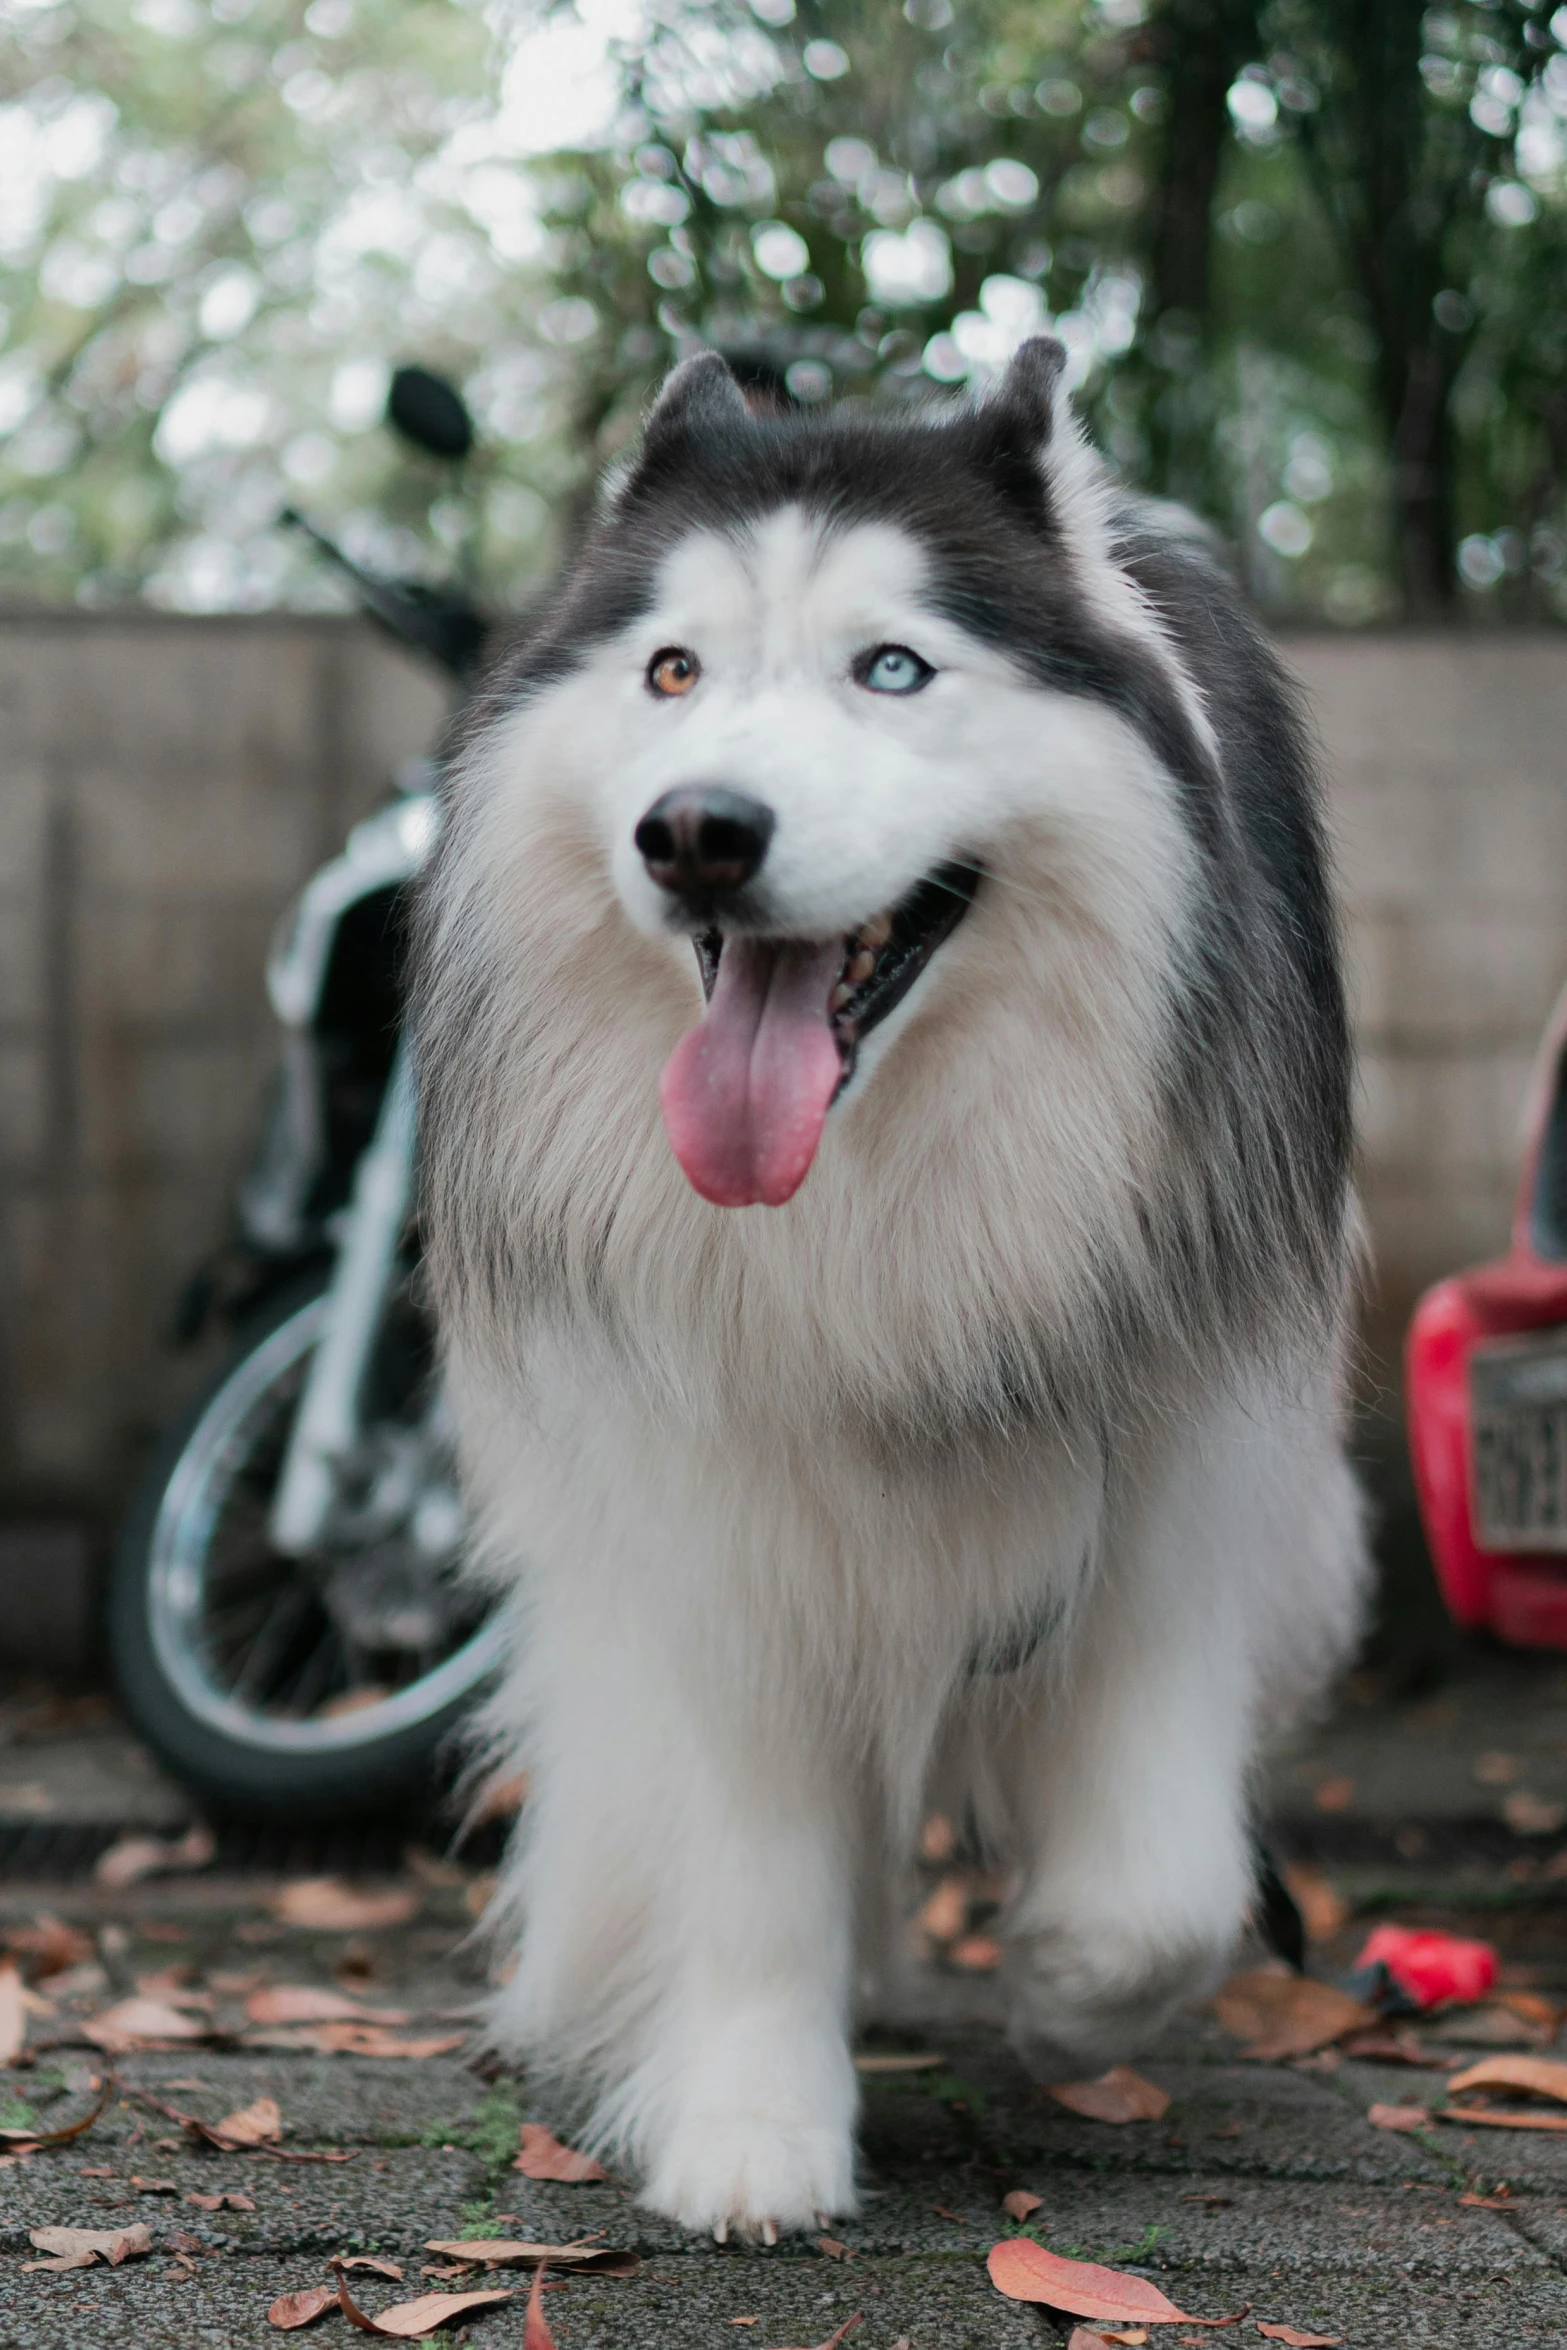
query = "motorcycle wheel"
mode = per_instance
[{"x": 231, "y": 1663}]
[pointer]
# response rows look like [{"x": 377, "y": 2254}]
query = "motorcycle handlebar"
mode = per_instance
[{"x": 438, "y": 621}]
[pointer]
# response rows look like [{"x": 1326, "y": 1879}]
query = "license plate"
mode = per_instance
[{"x": 1518, "y": 1412}]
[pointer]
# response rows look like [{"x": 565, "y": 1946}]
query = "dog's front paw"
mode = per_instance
[
  {"x": 751, "y": 2175},
  {"x": 1079, "y": 2000}
]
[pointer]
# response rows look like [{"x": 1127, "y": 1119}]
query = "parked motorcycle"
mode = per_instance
[{"x": 286, "y": 1621}]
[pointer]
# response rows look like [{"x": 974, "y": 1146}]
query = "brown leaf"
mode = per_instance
[
  {"x": 944, "y": 1913},
  {"x": 48, "y": 1948},
  {"x": 302, "y": 2309},
  {"x": 355, "y": 2040},
  {"x": 81, "y": 2247},
  {"x": 308, "y": 2003},
  {"x": 1020, "y": 2204},
  {"x": 1535, "y": 2076},
  {"x": 1081, "y": 2339},
  {"x": 253, "y": 2125},
  {"x": 13, "y": 2016},
  {"x": 1335, "y": 1794},
  {"x": 1120, "y": 2095},
  {"x": 1391, "y": 2044},
  {"x": 153, "y": 2186},
  {"x": 1496, "y": 2117},
  {"x": 409, "y": 2321},
  {"x": 536, "y": 2334},
  {"x": 499, "y": 1799},
  {"x": 1025, "y": 2271},
  {"x": 382, "y": 2268},
  {"x": 978, "y": 1953},
  {"x": 328, "y": 1906},
  {"x": 1528, "y": 1814},
  {"x": 1323, "y": 1909},
  {"x": 584, "y": 2255},
  {"x": 911, "y": 2060},
  {"x": 1488, "y": 2202},
  {"x": 833, "y": 2248},
  {"x": 141, "y": 2023},
  {"x": 217, "y": 2202},
  {"x": 1293, "y": 2339},
  {"x": 173, "y": 1984},
  {"x": 1398, "y": 2117},
  {"x": 1286, "y": 2015},
  {"x": 135, "y": 1857},
  {"x": 544, "y": 2157}
]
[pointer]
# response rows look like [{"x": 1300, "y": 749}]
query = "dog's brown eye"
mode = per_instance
[{"x": 673, "y": 671}]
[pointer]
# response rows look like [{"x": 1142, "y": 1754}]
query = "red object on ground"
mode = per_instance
[
  {"x": 1430, "y": 1966},
  {"x": 1505, "y": 1323}
]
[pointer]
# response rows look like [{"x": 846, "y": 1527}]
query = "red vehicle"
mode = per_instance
[{"x": 1486, "y": 1396}]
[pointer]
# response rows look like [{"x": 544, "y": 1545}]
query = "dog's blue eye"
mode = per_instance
[{"x": 893, "y": 669}]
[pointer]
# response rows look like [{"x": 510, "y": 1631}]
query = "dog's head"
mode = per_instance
[{"x": 831, "y": 682}]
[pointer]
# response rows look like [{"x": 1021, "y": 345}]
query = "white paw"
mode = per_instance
[
  {"x": 750, "y": 2174},
  {"x": 1078, "y": 2001}
]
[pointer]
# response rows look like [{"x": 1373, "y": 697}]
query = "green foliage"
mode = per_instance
[
  {"x": 492, "y": 2130},
  {"x": 1306, "y": 256}
]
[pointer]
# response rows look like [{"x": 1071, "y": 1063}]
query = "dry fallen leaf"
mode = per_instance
[
  {"x": 328, "y": 1906},
  {"x": 536, "y": 2334},
  {"x": 1335, "y": 1794},
  {"x": 354, "y": 2040},
  {"x": 912, "y": 2060},
  {"x": 1283, "y": 2015},
  {"x": 1025, "y": 2271},
  {"x": 1497, "y": 2117},
  {"x": 48, "y": 1947},
  {"x": 1120, "y": 2095},
  {"x": 307, "y": 2003},
  {"x": 977, "y": 1952},
  {"x": 258, "y": 2124},
  {"x": 1502, "y": 2202},
  {"x": 944, "y": 1913},
  {"x": 13, "y": 2016},
  {"x": 302, "y": 2309},
  {"x": 586, "y": 2254},
  {"x": 1536, "y": 2076},
  {"x": 153, "y": 2186},
  {"x": 1497, "y": 1770},
  {"x": 142, "y": 2023},
  {"x": 1293, "y": 2339},
  {"x": 1528, "y": 1814},
  {"x": 1020, "y": 2204},
  {"x": 833, "y": 2248},
  {"x": 544, "y": 2157},
  {"x": 499, "y": 1799},
  {"x": 234, "y": 2202},
  {"x": 1323, "y": 1909},
  {"x": 82, "y": 2247},
  {"x": 410, "y": 2321},
  {"x": 1081, "y": 2338},
  {"x": 135, "y": 1857},
  {"x": 382, "y": 2268},
  {"x": 1398, "y": 2117}
]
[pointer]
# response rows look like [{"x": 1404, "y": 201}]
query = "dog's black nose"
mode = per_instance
[{"x": 703, "y": 841}]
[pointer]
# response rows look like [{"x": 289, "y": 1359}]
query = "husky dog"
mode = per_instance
[{"x": 886, "y": 1142}]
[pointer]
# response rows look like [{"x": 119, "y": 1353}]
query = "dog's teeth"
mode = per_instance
[
  {"x": 860, "y": 966},
  {"x": 721, "y": 2231},
  {"x": 877, "y": 931},
  {"x": 839, "y": 997},
  {"x": 769, "y": 2231}
]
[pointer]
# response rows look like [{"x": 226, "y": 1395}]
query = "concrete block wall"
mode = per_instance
[
  {"x": 167, "y": 783},
  {"x": 1446, "y": 760},
  {"x": 165, "y": 786}
]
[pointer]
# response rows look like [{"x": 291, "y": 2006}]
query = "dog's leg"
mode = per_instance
[
  {"x": 1234, "y": 1572},
  {"x": 685, "y": 1890}
]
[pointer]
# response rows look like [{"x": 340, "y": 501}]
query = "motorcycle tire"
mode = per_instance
[{"x": 240, "y": 1760}]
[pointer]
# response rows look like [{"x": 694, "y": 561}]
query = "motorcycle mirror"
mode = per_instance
[{"x": 429, "y": 411}]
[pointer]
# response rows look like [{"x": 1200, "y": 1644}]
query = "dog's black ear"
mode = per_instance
[
  {"x": 700, "y": 395},
  {"x": 1028, "y": 396}
]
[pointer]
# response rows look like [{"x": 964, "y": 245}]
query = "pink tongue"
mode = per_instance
[{"x": 745, "y": 1095}]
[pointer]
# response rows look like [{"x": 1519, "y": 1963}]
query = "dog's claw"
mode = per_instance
[
  {"x": 769, "y": 2231},
  {"x": 720, "y": 2231}
]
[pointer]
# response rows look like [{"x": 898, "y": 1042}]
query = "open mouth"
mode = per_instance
[{"x": 746, "y": 1094}]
